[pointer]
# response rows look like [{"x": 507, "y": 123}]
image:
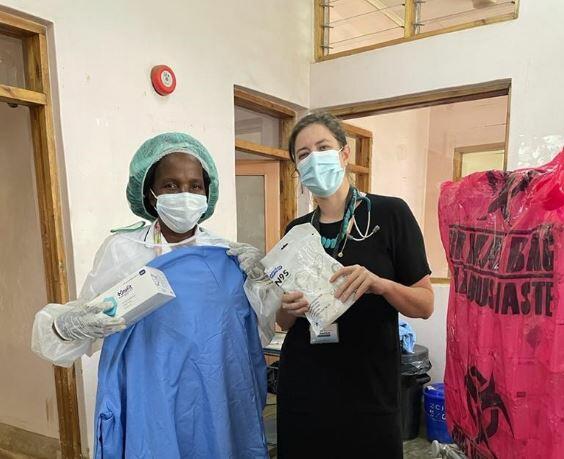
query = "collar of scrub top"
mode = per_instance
[{"x": 160, "y": 244}]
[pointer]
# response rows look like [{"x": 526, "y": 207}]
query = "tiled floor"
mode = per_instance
[
  {"x": 419, "y": 448},
  {"x": 8, "y": 455}
]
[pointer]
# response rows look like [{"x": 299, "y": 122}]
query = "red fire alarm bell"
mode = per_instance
[{"x": 163, "y": 79}]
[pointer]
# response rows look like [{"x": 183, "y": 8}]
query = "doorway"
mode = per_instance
[
  {"x": 38, "y": 402},
  {"x": 28, "y": 405},
  {"x": 420, "y": 141},
  {"x": 415, "y": 150}
]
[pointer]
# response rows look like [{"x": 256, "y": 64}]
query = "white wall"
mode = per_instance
[
  {"x": 399, "y": 155},
  {"x": 105, "y": 51},
  {"x": 527, "y": 50},
  {"x": 452, "y": 126},
  {"x": 432, "y": 333},
  {"x": 27, "y": 386}
]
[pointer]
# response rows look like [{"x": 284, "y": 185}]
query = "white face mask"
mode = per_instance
[{"x": 180, "y": 212}]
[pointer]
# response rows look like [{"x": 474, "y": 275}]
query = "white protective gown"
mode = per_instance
[{"x": 119, "y": 256}]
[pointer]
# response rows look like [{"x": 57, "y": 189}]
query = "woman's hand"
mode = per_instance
[
  {"x": 295, "y": 304},
  {"x": 359, "y": 281},
  {"x": 415, "y": 301}
]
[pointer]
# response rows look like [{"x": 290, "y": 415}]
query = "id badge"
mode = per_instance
[{"x": 328, "y": 335}]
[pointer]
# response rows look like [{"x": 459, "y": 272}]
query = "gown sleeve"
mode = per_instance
[{"x": 116, "y": 258}]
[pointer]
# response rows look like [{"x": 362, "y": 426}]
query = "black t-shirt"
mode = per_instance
[{"x": 360, "y": 374}]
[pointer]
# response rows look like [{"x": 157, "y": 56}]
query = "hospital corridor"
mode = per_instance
[{"x": 292, "y": 229}]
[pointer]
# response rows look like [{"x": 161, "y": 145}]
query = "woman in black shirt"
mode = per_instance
[{"x": 341, "y": 399}]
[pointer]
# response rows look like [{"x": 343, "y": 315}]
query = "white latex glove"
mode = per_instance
[
  {"x": 249, "y": 259},
  {"x": 87, "y": 322}
]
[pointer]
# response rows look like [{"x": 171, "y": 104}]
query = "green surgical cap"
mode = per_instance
[{"x": 151, "y": 152}]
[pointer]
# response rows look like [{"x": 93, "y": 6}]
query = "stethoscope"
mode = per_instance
[
  {"x": 363, "y": 235},
  {"x": 367, "y": 233}
]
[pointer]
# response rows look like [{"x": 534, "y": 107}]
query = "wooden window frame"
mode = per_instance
[
  {"x": 287, "y": 117},
  {"x": 362, "y": 167},
  {"x": 433, "y": 98},
  {"x": 37, "y": 96},
  {"x": 461, "y": 151},
  {"x": 271, "y": 174},
  {"x": 320, "y": 44}
]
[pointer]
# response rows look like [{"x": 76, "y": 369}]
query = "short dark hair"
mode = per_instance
[{"x": 325, "y": 119}]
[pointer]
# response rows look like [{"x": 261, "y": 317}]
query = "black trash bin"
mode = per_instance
[{"x": 414, "y": 368}]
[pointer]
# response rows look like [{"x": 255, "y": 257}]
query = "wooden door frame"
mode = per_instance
[
  {"x": 432, "y": 98},
  {"x": 270, "y": 170},
  {"x": 37, "y": 96},
  {"x": 286, "y": 115},
  {"x": 486, "y": 90}
]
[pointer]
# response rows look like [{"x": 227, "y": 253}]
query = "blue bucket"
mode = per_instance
[{"x": 435, "y": 413}]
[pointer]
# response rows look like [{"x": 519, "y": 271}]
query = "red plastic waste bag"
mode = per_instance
[{"x": 503, "y": 236}]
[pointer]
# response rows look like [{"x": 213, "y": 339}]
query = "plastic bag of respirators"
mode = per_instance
[
  {"x": 503, "y": 236},
  {"x": 299, "y": 263}
]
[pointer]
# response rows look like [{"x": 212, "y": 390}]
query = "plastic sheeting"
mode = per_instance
[
  {"x": 502, "y": 233},
  {"x": 416, "y": 363},
  {"x": 298, "y": 262},
  {"x": 120, "y": 256}
]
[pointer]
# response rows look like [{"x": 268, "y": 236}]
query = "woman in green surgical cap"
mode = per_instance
[{"x": 173, "y": 183}]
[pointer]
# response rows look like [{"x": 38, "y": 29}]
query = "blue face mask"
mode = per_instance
[{"x": 321, "y": 172}]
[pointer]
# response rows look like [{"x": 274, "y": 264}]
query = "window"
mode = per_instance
[
  {"x": 12, "y": 70},
  {"x": 360, "y": 144},
  {"x": 262, "y": 128},
  {"x": 348, "y": 26},
  {"x": 434, "y": 15},
  {"x": 468, "y": 160},
  {"x": 357, "y": 23},
  {"x": 258, "y": 128}
]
